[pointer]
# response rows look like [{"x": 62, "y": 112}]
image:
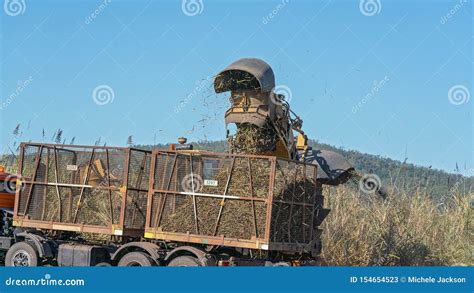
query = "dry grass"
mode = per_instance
[{"x": 404, "y": 230}]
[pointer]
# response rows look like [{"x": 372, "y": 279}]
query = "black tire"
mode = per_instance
[
  {"x": 22, "y": 254},
  {"x": 103, "y": 264},
  {"x": 184, "y": 261},
  {"x": 136, "y": 259}
]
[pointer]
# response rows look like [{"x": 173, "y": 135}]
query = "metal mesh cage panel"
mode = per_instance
[
  {"x": 210, "y": 194},
  {"x": 228, "y": 196},
  {"x": 80, "y": 185},
  {"x": 137, "y": 189},
  {"x": 294, "y": 202}
]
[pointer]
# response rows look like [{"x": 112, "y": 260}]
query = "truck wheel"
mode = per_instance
[
  {"x": 103, "y": 264},
  {"x": 136, "y": 259},
  {"x": 22, "y": 254},
  {"x": 184, "y": 261}
]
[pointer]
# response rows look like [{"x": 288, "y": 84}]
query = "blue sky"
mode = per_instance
[{"x": 377, "y": 81}]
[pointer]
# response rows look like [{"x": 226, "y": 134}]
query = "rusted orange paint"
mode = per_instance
[{"x": 7, "y": 199}]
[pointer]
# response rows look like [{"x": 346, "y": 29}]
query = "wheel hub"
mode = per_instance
[{"x": 21, "y": 258}]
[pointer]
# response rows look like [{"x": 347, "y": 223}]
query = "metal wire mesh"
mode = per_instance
[
  {"x": 84, "y": 185},
  {"x": 210, "y": 194},
  {"x": 294, "y": 202},
  {"x": 228, "y": 195},
  {"x": 137, "y": 190},
  {"x": 216, "y": 195}
]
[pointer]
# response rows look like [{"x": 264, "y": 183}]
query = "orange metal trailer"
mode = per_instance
[{"x": 90, "y": 205}]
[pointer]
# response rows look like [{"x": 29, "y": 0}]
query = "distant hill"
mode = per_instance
[{"x": 395, "y": 175}]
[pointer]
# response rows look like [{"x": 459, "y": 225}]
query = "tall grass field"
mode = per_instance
[{"x": 402, "y": 230}]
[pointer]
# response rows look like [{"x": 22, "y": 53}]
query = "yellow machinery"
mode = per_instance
[{"x": 251, "y": 83}]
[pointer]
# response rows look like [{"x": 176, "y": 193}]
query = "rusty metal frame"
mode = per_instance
[
  {"x": 153, "y": 229},
  {"x": 86, "y": 179},
  {"x": 19, "y": 182},
  {"x": 193, "y": 195},
  {"x": 35, "y": 170},
  {"x": 271, "y": 189},
  {"x": 151, "y": 185},
  {"x": 111, "y": 206},
  {"x": 216, "y": 227},
  {"x": 24, "y": 220},
  {"x": 254, "y": 215},
  {"x": 313, "y": 203},
  {"x": 137, "y": 186},
  {"x": 57, "y": 182},
  {"x": 303, "y": 209},
  {"x": 290, "y": 218},
  {"x": 162, "y": 199},
  {"x": 45, "y": 190}
]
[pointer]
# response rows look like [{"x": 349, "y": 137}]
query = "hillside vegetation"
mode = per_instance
[{"x": 396, "y": 176}]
